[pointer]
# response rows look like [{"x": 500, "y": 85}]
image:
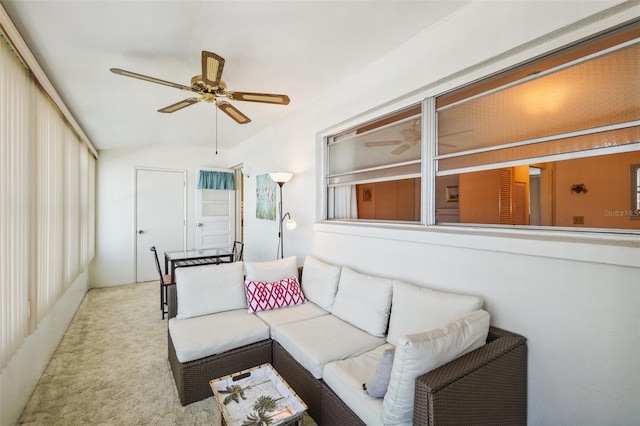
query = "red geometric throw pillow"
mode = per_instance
[{"x": 262, "y": 296}]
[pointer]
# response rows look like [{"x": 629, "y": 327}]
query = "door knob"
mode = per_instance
[
  {"x": 199, "y": 224},
  {"x": 141, "y": 232}
]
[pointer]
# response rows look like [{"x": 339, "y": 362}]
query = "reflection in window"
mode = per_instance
[
  {"x": 374, "y": 169},
  {"x": 552, "y": 148},
  {"x": 584, "y": 192}
]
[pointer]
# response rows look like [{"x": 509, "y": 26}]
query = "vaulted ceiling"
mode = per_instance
[{"x": 298, "y": 48}]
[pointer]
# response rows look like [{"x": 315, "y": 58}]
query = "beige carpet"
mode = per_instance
[{"x": 111, "y": 368}]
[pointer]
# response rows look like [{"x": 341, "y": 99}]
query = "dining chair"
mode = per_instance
[
  {"x": 238, "y": 249},
  {"x": 165, "y": 280}
]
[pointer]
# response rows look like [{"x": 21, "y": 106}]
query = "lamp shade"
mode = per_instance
[{"x": 280, "y": 177}]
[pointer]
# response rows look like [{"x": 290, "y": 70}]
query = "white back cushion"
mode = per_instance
[
  {"x": 364, "y": 301},
  {"x": 271, "y": 271},
  {"x": 320, "y": 282},
  {"x": 417, "y": 309},
  {"x": 209, "y": 289},
  {"x": 417, "y": 354}
]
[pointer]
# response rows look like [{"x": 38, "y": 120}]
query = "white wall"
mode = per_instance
[
  {"x": 114, "y": 263},
  {"x": 574, "y": 298},
  {"x": 20, "y": 377}
]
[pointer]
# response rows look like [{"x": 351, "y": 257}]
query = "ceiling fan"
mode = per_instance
[
  {"x": 410, "y": 137},
  {"x": 210, "y": 88}
]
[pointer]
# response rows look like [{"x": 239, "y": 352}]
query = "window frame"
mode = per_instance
[
  {"x": 634, "y": 191},
  {"x": 326, "y": 137}
]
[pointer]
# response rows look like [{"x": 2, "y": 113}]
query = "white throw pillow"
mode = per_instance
[
  {"x": 271, "y": 271},
  {"x": 417, "y": 309},
  {"x": 418, "y": 354},
  {"x": 364, "y": 301},
  {"x": 208, "y": 289},
  {"x": 320, "y": 282}
]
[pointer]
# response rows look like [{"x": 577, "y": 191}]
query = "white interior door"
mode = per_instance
[
  {"x": 160, "y": 217},
  {"x": 215, "y": 217}
]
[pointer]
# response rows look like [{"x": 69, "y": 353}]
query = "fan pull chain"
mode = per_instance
[{"x": 216, "y": 129}]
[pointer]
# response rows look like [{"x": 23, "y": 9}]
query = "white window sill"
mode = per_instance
[{"x": 621, "y": 249}]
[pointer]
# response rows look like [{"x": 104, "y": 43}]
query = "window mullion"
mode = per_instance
[{"x": 429, "y": 169}]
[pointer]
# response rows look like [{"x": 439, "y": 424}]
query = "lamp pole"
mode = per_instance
[
  {"x": 280, "y": 220},
  {"x": 281, "y": 178}
]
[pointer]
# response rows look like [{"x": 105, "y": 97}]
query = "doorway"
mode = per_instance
[
  {"x": 160, "y": 217},
  {"x": 215, "y": 213}
]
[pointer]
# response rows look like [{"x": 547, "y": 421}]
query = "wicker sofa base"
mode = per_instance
[
  {"x": 487, "y": 386},
  {"x": 192, "y": 378}
]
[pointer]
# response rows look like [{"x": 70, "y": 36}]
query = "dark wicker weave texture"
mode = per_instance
[
  {"x": 301, "y": 381},
  {"x": 485, "y": 387}
]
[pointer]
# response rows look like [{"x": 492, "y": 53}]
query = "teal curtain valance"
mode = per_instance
[{"x": 215, "y": 180}]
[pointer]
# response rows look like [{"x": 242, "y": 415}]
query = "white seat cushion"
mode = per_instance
[
  {"x": 282, "y": 316},
  {"x": 345, "y": 378},
  {"x": 317, "y": 341},
  {"x": 417, "y": 309},
  {"x": 364, "y": 301},
  {"x": 320, "y": 282},
  {"x": 417, "y": 354},
  {"x": 208, "y": 289},
  {"x": 199, "y": 337}
]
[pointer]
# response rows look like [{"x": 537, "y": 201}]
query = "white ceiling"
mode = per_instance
[{"x": 298, "y": 48}]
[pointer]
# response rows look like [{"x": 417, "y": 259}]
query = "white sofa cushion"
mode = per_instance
[
  {"x": 271, "y": 271},
  {"x": 345, "y": 378},
  {"x": 417, "y": 354},
  {"x": 417, "y": 309},
  {"x": 199, "y": 337},
  {"x": 209, "y": 289},
  {"x": 320, "y": 282},
  {"x": 277, "y": 317},
  {"x": 364, "y": 301},
  {"x": 317, "y": 341}
]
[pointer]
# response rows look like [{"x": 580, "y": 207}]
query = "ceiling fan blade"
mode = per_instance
[
  {"x": 150, "y": 79},
  {"x": 400, "y": 149},
  {"x": 382, "y": 143},
  {"x": 233, "y": 112},
  {"x": 212, "y": 66},
  {"x": 268, "y": 98},
  {"x": 179, "y": 105}
]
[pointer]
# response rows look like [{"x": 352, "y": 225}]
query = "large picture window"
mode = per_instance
[{"x": 554, "y": 142}]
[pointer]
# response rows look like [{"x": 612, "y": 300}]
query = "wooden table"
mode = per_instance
[{"x": 178, "y": 258}]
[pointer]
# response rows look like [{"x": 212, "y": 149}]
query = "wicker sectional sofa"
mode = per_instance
[{"x": 326, "y": 358}]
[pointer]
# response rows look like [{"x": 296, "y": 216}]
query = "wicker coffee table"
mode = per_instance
[{"x": 255, "y": 396}]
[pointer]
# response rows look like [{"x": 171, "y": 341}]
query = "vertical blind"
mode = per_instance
[{"x": 47, "y": 220}]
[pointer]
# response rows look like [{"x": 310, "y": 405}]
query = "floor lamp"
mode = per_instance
[{"x": 281, "y": 178}]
